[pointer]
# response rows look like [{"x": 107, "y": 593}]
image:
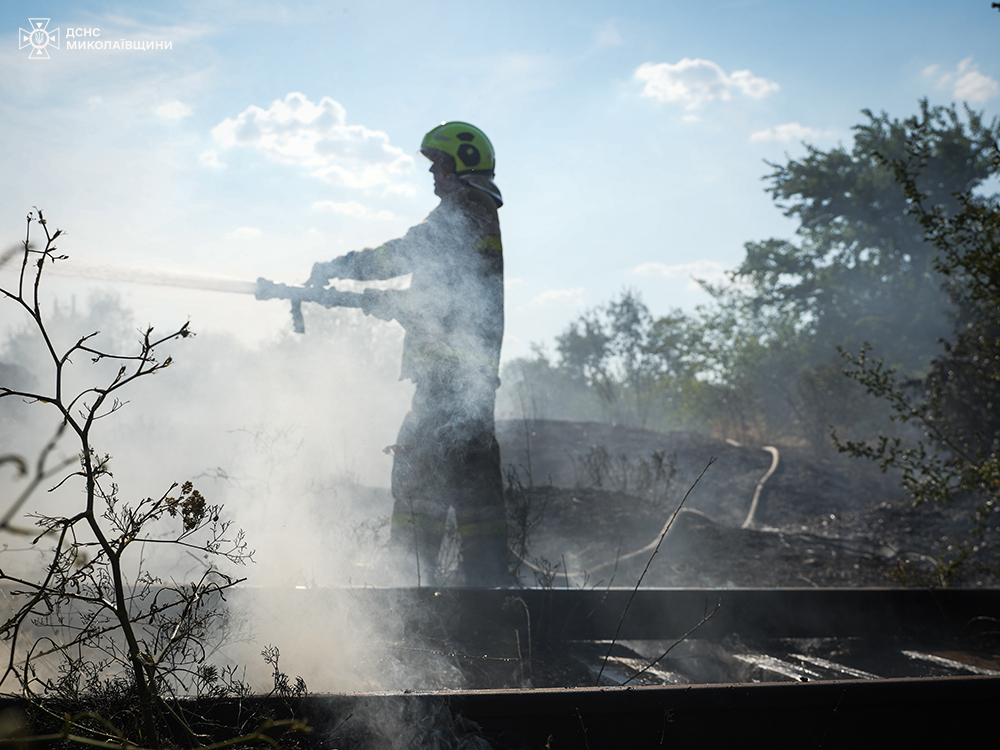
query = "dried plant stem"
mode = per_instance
[
  {"x": 88, "y": 550},
  {"x": 683, "y": 638},
  {"x": 656, "y": 549}
]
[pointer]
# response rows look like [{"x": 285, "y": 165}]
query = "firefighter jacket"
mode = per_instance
[{"x": 452, "y": 312}]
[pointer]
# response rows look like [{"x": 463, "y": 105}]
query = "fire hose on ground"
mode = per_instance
[{"x": 747, "y": 524}]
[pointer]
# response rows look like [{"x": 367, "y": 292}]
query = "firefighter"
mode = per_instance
[{"x": 446, "y": 455}]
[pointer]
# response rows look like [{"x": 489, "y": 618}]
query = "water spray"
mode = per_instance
[
  {"x": 262, "y": 288},
  {"x": 154, "y": 277}
]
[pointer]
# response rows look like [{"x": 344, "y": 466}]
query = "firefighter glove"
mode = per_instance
[
  {"x": 378, "y": 302},
  {"x": 323, "y": 272}
]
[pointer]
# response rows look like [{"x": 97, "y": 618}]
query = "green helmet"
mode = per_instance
[{"x": 465, "y": 143}]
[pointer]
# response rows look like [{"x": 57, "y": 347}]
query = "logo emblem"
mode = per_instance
[{"x": 38, "y": 38}]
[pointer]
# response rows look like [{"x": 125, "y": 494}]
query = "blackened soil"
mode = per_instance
[{"x": 600, "y": 495}]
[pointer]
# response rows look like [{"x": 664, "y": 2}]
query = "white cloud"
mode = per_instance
[
  {"x": 173, "y": 110},
  {"x": 966, "y": 82},
  {"x": 210, "y": 159},
  {"x": 706, "y": 270},
  {"x": 405, "y": 189},
  {"x": 560, "y": 297},
  {"x": 316, "y": 136},
  {"x": 695, "y": 82},
  {"x": 243, "y": 233},
  {"x": 354, "y": 210},
  {"x": 973, "y": 86},
  {"x": 750, "y": 85},
  {"x": 790, "y": 131}
]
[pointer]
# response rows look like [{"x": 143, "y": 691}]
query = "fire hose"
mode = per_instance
[{"x": 747, "y": 524}]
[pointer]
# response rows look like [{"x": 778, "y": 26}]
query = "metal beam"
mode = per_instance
[{"x": 661, "y": 614}]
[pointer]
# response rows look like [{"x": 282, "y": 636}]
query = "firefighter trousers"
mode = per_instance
[{"x": 447, "y": 456}]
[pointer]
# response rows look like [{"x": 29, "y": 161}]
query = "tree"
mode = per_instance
[
  {"x": 957, "y": 454},
  {"x": 862, "y": 270},
  {"x": 746, "y": 354},
  {"x": 536, "y": 388},
  {"x": 633, "y": 362},
  {"x": 761, "y": 362},
  {"x": 859, "y": 271}
]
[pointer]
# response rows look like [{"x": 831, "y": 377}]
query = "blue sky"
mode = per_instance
[{"x": 631, "y": 137}]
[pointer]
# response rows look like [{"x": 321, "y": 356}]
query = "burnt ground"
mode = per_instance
[{"x": 592, "y": 495}]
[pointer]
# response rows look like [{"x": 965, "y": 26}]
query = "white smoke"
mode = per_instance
[{"x": 289, "y": 437}]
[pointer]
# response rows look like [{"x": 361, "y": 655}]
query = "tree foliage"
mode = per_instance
[
  {"x": 861, "y": 270},
  {"x": 760, "y": 362},
  {"x": 617, "y": 350},
  {"x": 957, "y": 456}
]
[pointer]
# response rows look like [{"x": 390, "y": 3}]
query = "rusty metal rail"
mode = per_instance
[
  {"x": 928, "y": 712},
  {"x": 782, "y": 667},
  {"x": 945, "y": 712},
  {"x": 659, "y": 614},
  {"x": 855, "y": 714}
]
